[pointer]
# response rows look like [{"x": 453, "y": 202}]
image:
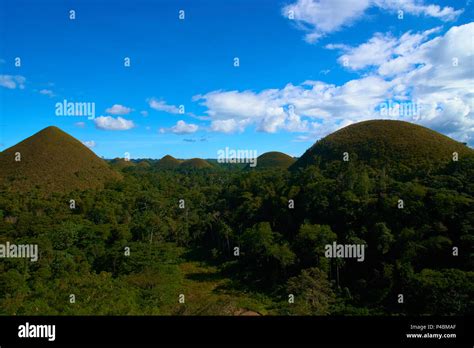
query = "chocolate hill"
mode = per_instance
[
  {"x": 394, "y": 145},
  {"x": 53, "y": 161}
]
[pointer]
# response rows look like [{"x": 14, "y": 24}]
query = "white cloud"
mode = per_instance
[
  {"x": 389, "y": 54},
  {"x": 435, "y": 73},
  {"x": 47, "y": 92},
  {"x": 285, "y": 109},
  {"x": 320, "y": 17},
  {"x": 160, "y": 105},
  {"x": 232, "y": 111},
  {"x": 89, "y": 143},
  {"x": 80, "y": 124},
  {"x": 444, "y": 83},
  {"x": 418, "y": 8},
  {"x": 144, "y": 113},
  {"x": 181, "y": 127},
  {"x": 227, "y": 126},
  {"x": 118, "y": 109},
  {"x": 412, "y": 68},
  {"x": 110, "y": 123},
  {"x": 12, "y": 82}
]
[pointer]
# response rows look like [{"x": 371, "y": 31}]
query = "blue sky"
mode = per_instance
[{"x": 306, "y": 68}]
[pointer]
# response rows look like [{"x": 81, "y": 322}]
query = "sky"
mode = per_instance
[{"x": 190, "y": 78}]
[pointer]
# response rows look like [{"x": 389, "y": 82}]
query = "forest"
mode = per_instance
[
  {"x": 235, "y": 240},
  {"x": 168, "y": 217}
]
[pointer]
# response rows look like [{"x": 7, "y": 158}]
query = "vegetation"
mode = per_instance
[
  {"x": 195, "y": 163},
  {"x": 168, "y": 162},
  {"x": 52, "y": 160},
  {"x": 402, "y": 148},
  {"x": 272, "y": 160},
  {"x": 239, "y": 246},
  {"x": 121, "y": 163}
]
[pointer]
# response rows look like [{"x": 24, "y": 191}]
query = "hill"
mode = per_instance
[
  {"x": 396, "y": 145},
  {"x": 121, "y": 163},
  {"x": 195, "y": 163},
  {"x": 168, "y": 162},
  {"x": 52, "y": 160},
  {"x": 272, "y": 160},
  {"x": 143, "y": 164}
]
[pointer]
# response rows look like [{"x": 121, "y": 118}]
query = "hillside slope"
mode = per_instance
[
  {"x": 52, "y": 160},
  {"x": 396, "y": 145},
  {"x": 195, "y": 163},
  {"x": 168, "y": 162},
  {"x": 273, "y": 160}
]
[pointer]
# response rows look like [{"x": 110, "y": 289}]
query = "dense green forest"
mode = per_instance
[{"x": 136, "y": 245}]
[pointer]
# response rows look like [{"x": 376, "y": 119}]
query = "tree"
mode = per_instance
[
  {"x": 263, "y": 255},
  {"x": 445, "y": 292},
  {"x": 383, "y": 236},
  {"x": 310, "y": 244},
  {"x": 312, "y": 291}
]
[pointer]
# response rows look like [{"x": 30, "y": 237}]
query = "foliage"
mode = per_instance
[{"x": 410, "y": 250}]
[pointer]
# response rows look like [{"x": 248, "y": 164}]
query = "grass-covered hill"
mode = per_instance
[
  {"x": 143, "y": 164},
  {"x": 272, "y": 160},
  {"x": 168, "y": 162},
  {"x": 397, "y": 146},
  {"x": 121, "y": 163},
  {"x": 195, "y": 163},
  {"x": 53, "y": 161}
]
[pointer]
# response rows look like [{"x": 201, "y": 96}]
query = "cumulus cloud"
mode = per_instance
[
  {"x": 181, "y": 127},
  {"x": 228, "y": 126},
  {"x": 292, "y": 108},
  {"x": 320, "y": 17},
  {"x": 110, "y": 123},
  {"x": 233, "y": 111},
  {"x": 12, "y": 82},
  {"x": 435, "y": 73},
  {"x": 89, "y": 143},
  {"x": 160, "y": 105},
  {"x": 391, "y": 55},
  {"x": 118, "y": 109}
]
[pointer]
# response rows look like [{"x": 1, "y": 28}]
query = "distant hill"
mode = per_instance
[
  {"x": 168, "y": 162},
  {"x": 143, "y": 164},
  {"x": 53, "y": 161},
  {"x": 121, "y": 163},
  {"x": 272, "y": 160},
  {"x": 396, "y": 145},
  {"x": 195, "y": 163}
]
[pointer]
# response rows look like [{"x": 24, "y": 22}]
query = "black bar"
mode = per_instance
[{"x": 133, "y": 330}]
